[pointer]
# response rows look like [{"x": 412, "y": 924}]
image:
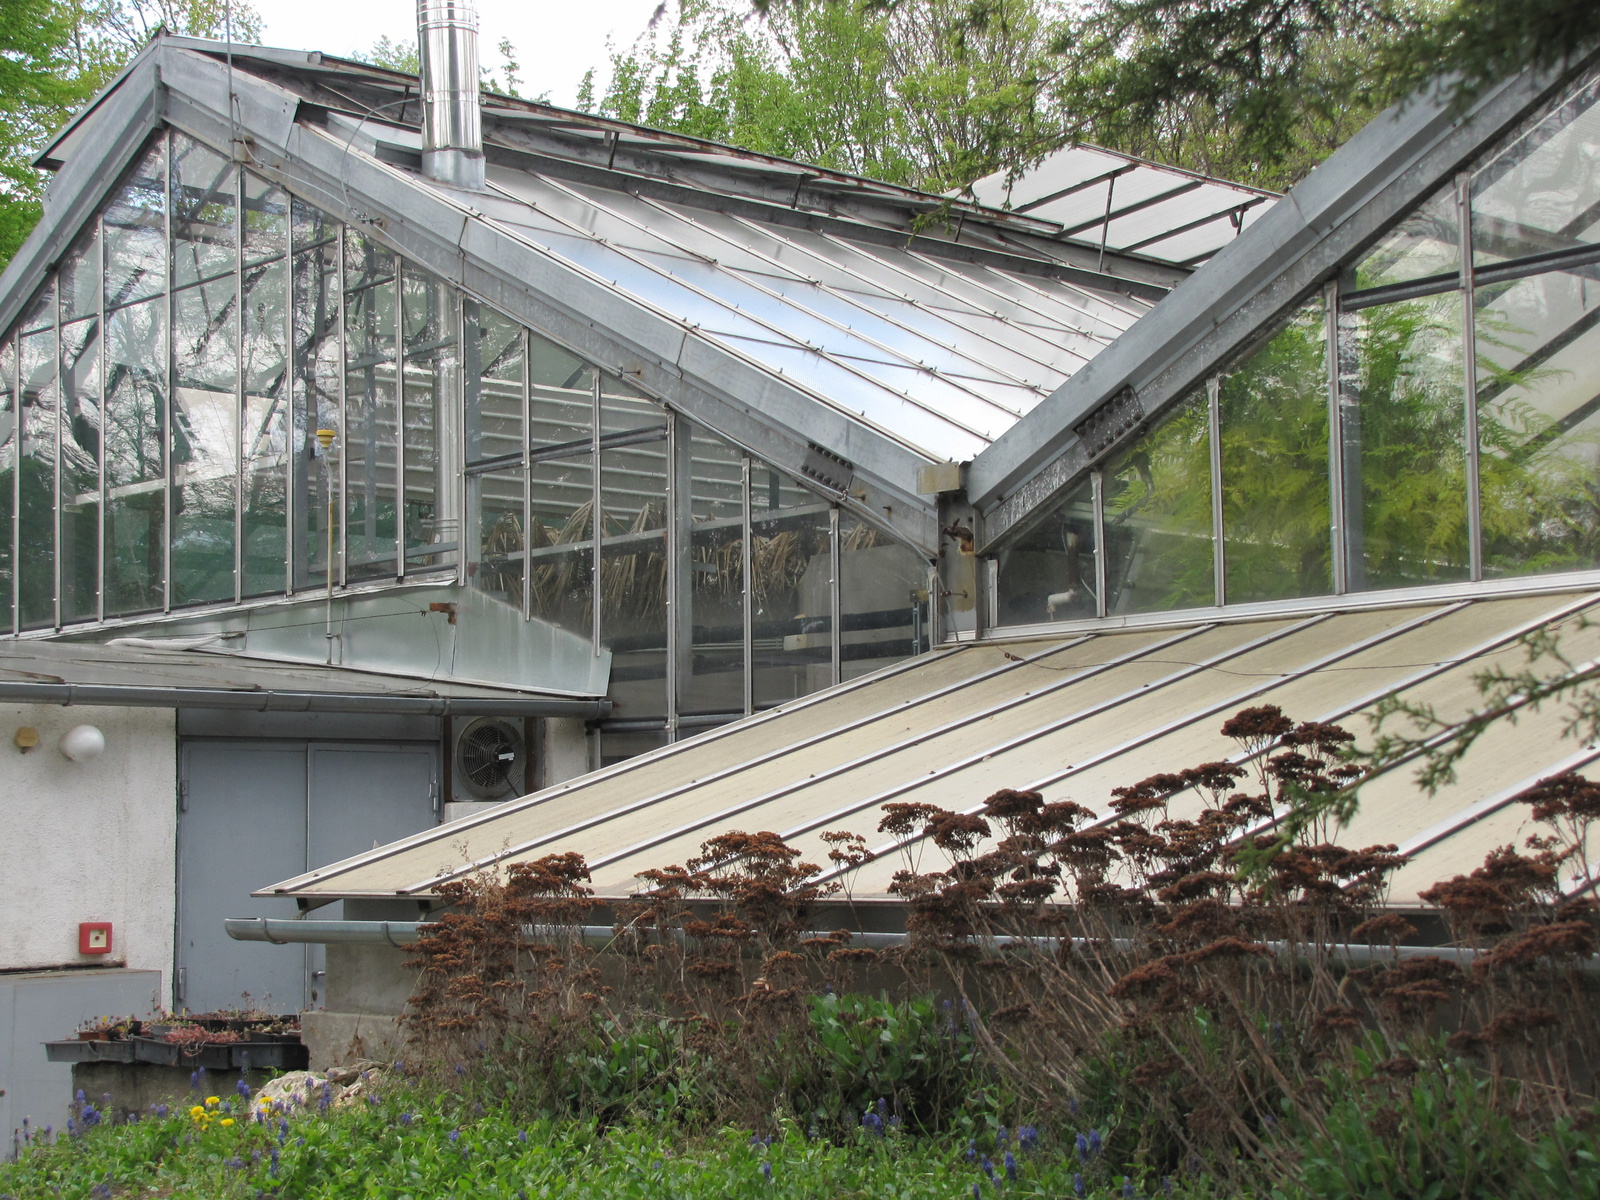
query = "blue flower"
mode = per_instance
[
  {"x": 242, "y": 1088},
  {"x": 81, "y": 1098},
  {"x": 522, "y": 1135},
  {"x": 1094, "y": 1141},
  {"x": 1028, "y": 1138},
  {"x": 988, "y": 1168},
  {"x": 1079, "y": 1188},
  {"x": 873, "y": 1122},
  {"x": 1001, "y": 1138},
  {"x": 766, "y": 1170},
  {"x": 273, "y": 1169},
  {"x": 406, "y": 1118},
  {"x": 1082, "y": 1145},
  {"x": 977, "y": 1192},
  {"x": 1072, "y": 1106},
  {"x": 1011, "y": 1167},
  {"x": 1166, "y": 1184},
  {"x": 455, "y": 1135},
  {"x": 972, "y": 1151},
  {"x": 1127, "y": 1188}
]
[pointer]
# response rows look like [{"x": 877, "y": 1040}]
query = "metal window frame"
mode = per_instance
[
  {"x": 55, "y": 480},
  {"x": 746, "y": 563},
  {"x": 1219, "y": 557},
  {"x": 835, "y": 599},
  {"x": 678, "y": 488},
  {"x": 290, "y": 508},
  {"x": 1469, "y": 377},
  {"x": 238, "y": 383},
  {"x": 595, "y": 523},
  {"x": 167, "y": 388},
  {"x": 337, "y": 509},
  {"x": 100, "y": 455},
  {"x": 527, "y": 469},
  {"x": 1337, "y": 500},
  {"x": 16, "y": 479},
  {"x": 401, "y": 271},
  {"x": 1097, "y": 500}
]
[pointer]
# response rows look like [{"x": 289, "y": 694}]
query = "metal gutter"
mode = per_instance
[
  {"x": 283, "y": 932},
  {"x": 274, "y": 700}
]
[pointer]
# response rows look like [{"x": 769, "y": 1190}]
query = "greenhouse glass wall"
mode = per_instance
[
  {"x": 1430, "y": 415},
  {"x": 227, "y": 396}
]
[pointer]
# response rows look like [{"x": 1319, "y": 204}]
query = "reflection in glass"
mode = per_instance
[
  {"x": 1048, "y": 574},
  {"x": 429, "y": 332},
  {"x": 1540, "y": 192},
  {"x": 1426, "y": 242},
  {"x": 205, "y": 232},
  {"x": 624, "y": 407},
  {"x": 790, "y": 585},
  {"x": 562, "y": 395},
  {"x": 367, "y": 441},
  {"x": 266, "y": 220},
  {"x": 1538, "y": 342},
  {"x": 496, "y": 559},
  {"x": 135, "y": 465},
  {"x": 560, "y": 543},
  {"x": 205, "y": 441},
  {"x": 1274, "y": 419},
  {"x": 633, "y": 622},
  {"x": 883, "y": 599},
  {"x": 1157, "y": 497},
  {"x": 1401, "y": 375},
  {"x": 492, "y": 360},
  {"x": 78, "y": 278},
  {"x": 315, "y": 383},
  {"x": 309, "y": 226},
  {"x": 265, "y": 444},
  {"x": 711, "y": 672},
  {"x": 633, "y": 487},
  {"x": 36, "y": 499},
  {"x": 80, "y": 470},
  {"x": 136, "y": 231}
]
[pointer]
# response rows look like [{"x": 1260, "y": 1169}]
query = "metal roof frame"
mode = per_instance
[{"x": 1343, "y": 206}]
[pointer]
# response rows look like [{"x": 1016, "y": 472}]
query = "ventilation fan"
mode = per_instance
[{"x": 489, "y": 759}]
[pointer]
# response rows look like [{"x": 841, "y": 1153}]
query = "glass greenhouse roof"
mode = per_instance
[
  {"x": 1072, "y": 716},
  {"x": 1129, "y": 205}
]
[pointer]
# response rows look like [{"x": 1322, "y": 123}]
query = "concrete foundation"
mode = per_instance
[
  {"x": 134, "y": 1087},
  {"x": 335, "y": 1038}
]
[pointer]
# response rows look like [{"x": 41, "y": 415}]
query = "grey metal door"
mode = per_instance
[
  {"x": 253, "y": 813},
  {"x": 241, "y": 825},
  {"x": 363, "y": 797}
]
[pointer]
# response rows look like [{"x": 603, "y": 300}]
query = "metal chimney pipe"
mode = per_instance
[{"x": 452, "y": 128}]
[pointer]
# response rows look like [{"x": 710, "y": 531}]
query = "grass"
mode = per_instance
[{"x": 405, "y": 1146}]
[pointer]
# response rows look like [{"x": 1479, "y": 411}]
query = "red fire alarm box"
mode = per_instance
[{"x": 94, "y": 937}]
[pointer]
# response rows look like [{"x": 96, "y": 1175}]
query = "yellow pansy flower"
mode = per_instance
[
  {"x": 213, "y": 1101},
  {"x": 227, "y": 1120},
  {"x": 197, "y": 1112}
]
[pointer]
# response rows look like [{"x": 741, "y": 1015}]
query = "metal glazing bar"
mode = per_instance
[
  {"x": 1144, "y": 738},
  {"x": 344, "y": 424},
  {"x": 594, "y": 505},
  {"x": 747, "y": 586},
  {"x": 527, "y": 474},
  {"x": 1097, "y": 493},
  {"x": 835, "y": 598},
  {"x": 61, "y": 421},
  {"x": 400, "y": 275},
  {"x": 677, "y": 484},
  {"x": 291, "y": 451},
  {"x": 169, "y": 399},
  {"x": 1538, "y": 264},
  {"x": 1219, "y": 556},
  {"x": 1336, "y": 478},
  {"x": 1393, "y": 293},
  {"x": 1469, "y": 377},
  {"x": 1064, "y": 680},
  {"x": 15, "y": 623},
  {"x": 1128, "y": 210},
  {"x": 100, "y": 456},
  {"x": 238, "y": 384}
]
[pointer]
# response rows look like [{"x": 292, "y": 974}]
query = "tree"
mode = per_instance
[{"x": 55, "y": 55}]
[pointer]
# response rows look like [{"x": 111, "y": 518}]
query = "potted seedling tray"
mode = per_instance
[
  {"x": 165, "y": 1053},
  {"x": 76, "y": 1051}
]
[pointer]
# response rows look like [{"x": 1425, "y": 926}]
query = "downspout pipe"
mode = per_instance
[
  {"x": 263, "y": 700},
  {"x": 399, "y": 933},
  {"x": 452, "y": 124}
]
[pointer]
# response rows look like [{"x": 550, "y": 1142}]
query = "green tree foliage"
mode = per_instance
[
  {"x": 924, "y": 94},
  {"x": 55, "y": 55}
]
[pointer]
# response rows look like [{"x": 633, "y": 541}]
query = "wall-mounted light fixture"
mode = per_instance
[
  {"x": 27, "y": 738},
  {"x": 82, "y": 743}
]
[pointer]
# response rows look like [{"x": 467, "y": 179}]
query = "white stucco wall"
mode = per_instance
[{"x": 89, "y": 841}]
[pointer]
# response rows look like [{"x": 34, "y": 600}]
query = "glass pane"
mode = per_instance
[
  {"x": 1048, "y": 574},
  {"x": 135, "y": 436},
  {"x": 633, "y": 488},
  {"x": 368, "y": 439},
  {"x": 205, "y": 441},
  {"x": 790, "y": 573},
  {"x": 883, "y": 599},
  {"x": 561, "y": 586},
  {"x": 80, "y": 470},
  {"x": 624, "y": 407},
  {"x": 1274, "y": 417},
  {"x": 1401, "y": 375},
  {"x": 266, "y": 220},
  {"x": 618, "y": 747},
  {"x": 265, "y": 445},
  {"x": 204, "y": 219},
  {"x": 563, "y": 501},
  {"x": 1540, "y": 192},
  {"x": 36, "y": 512},
  {"x": 8, "y": 469},
  {"x": 1427, "y": 242},
  {"x": 432, "y": 367},
  {"x": 711, "y": 673},
  {"x": 79, "y": 277},
  {"x": 1539, "y": 423},
  {"x": 562, "y": 401},
  {"x": 136, "y": 231},
  {"x": 315, "y": 382},
  {"x": 1157, "y": 496},
  {"x": 495, "y": 562},
  {"x": 310, "y": 226},
  {"x": 633, "y": 623},
  {"x": 492, "y": 362}
]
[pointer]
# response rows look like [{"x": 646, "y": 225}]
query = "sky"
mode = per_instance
[{"x": 556, "y": 40}]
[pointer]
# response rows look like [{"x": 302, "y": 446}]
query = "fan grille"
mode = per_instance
[{"x": 488, "y": 754}]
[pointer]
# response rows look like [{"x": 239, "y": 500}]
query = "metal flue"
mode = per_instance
[{"x": 452, "y": 128}]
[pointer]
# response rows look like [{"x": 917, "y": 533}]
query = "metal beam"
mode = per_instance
[{"x": 263, "y": 700}]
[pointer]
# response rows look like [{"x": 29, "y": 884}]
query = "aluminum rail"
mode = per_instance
[
  {"x": 273, "y": 700},
  {"x": 399, "y": 933}
]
